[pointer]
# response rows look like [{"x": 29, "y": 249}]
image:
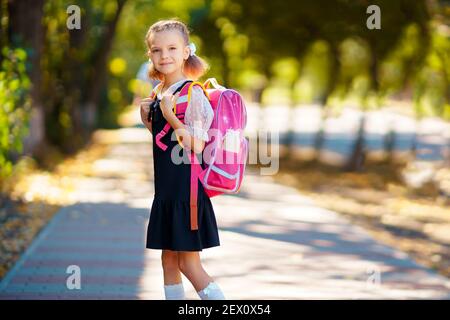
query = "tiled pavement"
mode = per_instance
[{"x": 275, "y": 244}]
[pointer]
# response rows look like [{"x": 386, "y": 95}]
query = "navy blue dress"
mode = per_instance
[{"x": 169, "y": 222}]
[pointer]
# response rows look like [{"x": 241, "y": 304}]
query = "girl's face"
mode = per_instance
[{"x": 168, "y": 51}]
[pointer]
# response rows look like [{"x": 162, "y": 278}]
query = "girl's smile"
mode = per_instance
[{"x": 168, "y": 52}]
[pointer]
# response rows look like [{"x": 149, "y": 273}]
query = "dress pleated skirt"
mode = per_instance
[{"x": 169, "y": 226}]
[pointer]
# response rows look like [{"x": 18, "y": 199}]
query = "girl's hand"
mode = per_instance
[
  {"x": 145, "y": 109},
  {"x": 167, "y": 104}
]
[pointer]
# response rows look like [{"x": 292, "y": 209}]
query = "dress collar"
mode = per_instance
[{"x": 171, "y": 89}]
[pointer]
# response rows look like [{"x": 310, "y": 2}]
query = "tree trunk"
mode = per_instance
[
  {"x": 290, "y": 122},
  {"x": 26, "y": 30},
  {"x": 375, "y": 80},
  {"x": 225, "y": 69},
  {"x": 98, "y": 78},
  {"x": 76, "y": 81},
  {"x": 389, "y": 144},
  {"x": 334, "y": 72},
  {"x": 357, "y": 158},
  {"x": 3, "y": 26},
  {"x": 332, "y": 82},
  {"x": 318, "y": 140}
]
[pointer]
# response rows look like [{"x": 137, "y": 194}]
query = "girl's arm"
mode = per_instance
[
  {"x": 186, "y": 139},
  {"x": 145, "y": 109},
  {"x": 193, "y": 134}
]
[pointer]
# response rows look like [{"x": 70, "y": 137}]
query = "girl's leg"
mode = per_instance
[
  {"x": 190, "y": 265},
  {"x": 173, "y": 284}
]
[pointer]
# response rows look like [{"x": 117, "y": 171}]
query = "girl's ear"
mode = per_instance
[{"x": 186, "y": 52}]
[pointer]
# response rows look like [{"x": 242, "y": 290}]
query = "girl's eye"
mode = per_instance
[
  {"x": 155, "y": 50},
  {"x": 173, "y": 48}
]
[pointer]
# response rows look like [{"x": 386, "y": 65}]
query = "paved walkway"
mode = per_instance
[{"x": 275, "y": 244}]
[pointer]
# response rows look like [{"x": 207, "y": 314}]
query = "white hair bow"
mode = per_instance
[{"x": 193, "y": 48}]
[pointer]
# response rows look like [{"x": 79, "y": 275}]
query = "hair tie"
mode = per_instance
[{"x": 193, "y": 48}]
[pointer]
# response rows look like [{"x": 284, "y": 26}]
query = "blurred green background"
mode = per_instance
[{"x": 58, "y": 85}]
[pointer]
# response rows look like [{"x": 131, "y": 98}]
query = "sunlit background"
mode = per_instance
[{"x": 362, "y": 115}]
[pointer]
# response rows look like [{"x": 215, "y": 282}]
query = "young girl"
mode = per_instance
[{"x": 173, "y": 63}]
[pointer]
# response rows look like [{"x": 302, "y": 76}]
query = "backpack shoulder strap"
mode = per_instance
[
  {"x": 182, "y": 107},
  {"x": 196, "y": 83},
  {"x": 166, "y": 128},
  {"x": 156, "y": 90},
  {"x": 181, "y": 87},
  {"x": 196, "y": 169}
]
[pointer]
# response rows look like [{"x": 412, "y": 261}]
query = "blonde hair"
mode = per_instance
[{"x": 194, "y": 67}]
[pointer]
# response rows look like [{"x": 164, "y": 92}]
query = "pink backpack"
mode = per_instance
[
  {"x": 227, "y": 148},
  {"x": 226, "y": 152}
]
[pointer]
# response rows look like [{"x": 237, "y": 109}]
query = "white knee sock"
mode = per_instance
[
  {"x": 174, "y": 291},
  {"x": 211, "y": 292}
]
